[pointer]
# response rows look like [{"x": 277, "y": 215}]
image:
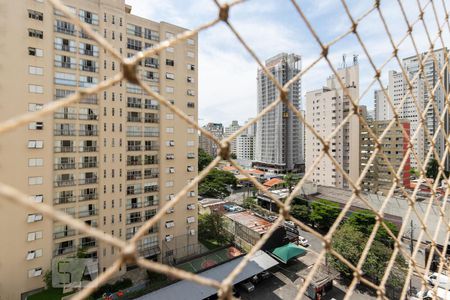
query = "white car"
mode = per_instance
[{"x": 302, "y": 241}]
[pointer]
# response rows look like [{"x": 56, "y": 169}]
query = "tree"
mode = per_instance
[
  {"x": 233, "y": 155},
  {"x": 324, "y": 213},
  {"x": 364, "y": 221},
  {"x": 212, "y": 227},
  {"x": 289, "y": 180},
  {"x": 204, "y": 159},
  {"x": 414, "y": 172},
  {"x": 249, "y": 203},
  {"x": 300, "y": 212},
  {"x": 350, "y": 242},
  {"x": 48, "y": 279},
  {"x": 432, "y": 169},
  {"x": 216, "y": 183}
]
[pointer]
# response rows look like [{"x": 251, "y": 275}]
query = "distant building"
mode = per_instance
[
  {"x": 379, "y": 177},
  {"x": 229, "y": 130},
  {"x": 206, "y": 143},
  {"x": 326, "y": 109},
  {"x": 245, "y": 146},
  {"x": 279, "y": 133},
  {"x": 382, "y": 109}
]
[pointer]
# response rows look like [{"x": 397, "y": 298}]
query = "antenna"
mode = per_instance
[{"x": 355, "y": 59}]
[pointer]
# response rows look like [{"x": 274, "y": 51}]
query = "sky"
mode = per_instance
[{"x": 227, "y": 73}]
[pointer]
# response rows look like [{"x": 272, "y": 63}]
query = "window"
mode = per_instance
[
  {"x": 191, "y": 105},
  {"x": 35, "y": 144},
  {"x": 151, "y": 34},
  {"x": 190, "y": 207},
  {"x": 36, "y": 126},
  {"x": 169, "y": 35},
  {"x": 190, "y": 54},
  {"x": 190, "y": 130},
  {"x": 34, "y": 218},
  {"x": 169, "y": 129},
  {"x": 35, "y": 180},
  {"x": 66, "y": 79},
  {"x": 170, "y": 143},
  {"x": 37, "y": 198},
  {"x": 35, "y": 89},
  {"x": 170, "y": 76},
  {"x": 35, "y": 70},
  {"x": 190, "y": 79},
  {"x": 34, "y": 254},
  {"x": 190, "y": 42},
  {"x": 36, "y": 15},
  {"x": 191, "y": 67},
  {"x": 35, "y": 162},
  {"x": 35, "y": 52},
  {"x": 169, "y": 89},
  {"x": 134, "y": 44},
  {"x": 64, "y": 27},
  {"x": 34, "y": 272},
  {"x": 34, "y": 236},
  {"x": 190, "y": 220},
  {"x": 169, "y": 116},
  {"x": 88, "y": 17},
  {"x": 39, "y": 34},
  {"x": 190, "y": 92},
  {"x": 170, "y": 224},
  {"x": 190, "y": 168},
  {"x": 134, "y": 30},
  {"x": 170, "y": 49},
  {"x": 170, "y": 156},
  {"x": 170, "y": 62}
]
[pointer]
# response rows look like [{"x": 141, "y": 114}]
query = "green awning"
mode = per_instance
[{"x": 287, "y": 252}]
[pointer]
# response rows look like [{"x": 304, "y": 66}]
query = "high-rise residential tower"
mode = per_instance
[
  {"x": 229, "y": 130},
  {"x": 206, "y": 143},
  {"x": 326, "y": 108},
  {"x": 111, "y": 160},
  {"x": 279, "y": 133}
]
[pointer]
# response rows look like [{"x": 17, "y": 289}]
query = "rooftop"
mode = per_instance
[
  {"x": 272, "y": 182},
  {"x": 251, "y": 221}
]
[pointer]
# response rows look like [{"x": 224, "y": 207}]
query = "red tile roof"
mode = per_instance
[{"x": 274, "y": 181}]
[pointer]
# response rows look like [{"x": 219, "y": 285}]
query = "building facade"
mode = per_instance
[
  {"x": 379, "y": 176},
  {"x": 229, "y": 130},
  {"x": 216, "y": 129},
  {"x": 382, "y": 109},
  {"x": 279, "y": 133},
  {"x": 326, "y": 108},
  {"x": 111, "y": 160}
]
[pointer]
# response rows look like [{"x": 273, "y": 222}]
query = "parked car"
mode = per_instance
[
  {"x": 302, "y": 241},
  {"x": 247, "y": 286}
]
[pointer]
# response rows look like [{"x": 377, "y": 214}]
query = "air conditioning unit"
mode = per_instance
[
  {"x": 192, "y": 232},
  {"x": 169, "y": 237},
  {"x": 170, "y": 210}
]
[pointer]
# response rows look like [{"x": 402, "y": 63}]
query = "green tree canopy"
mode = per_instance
[
  {"x": 215, "y": 184},
  {"x": 300, "y": 212},
  {"x": 324, "y": 213},
  {"x": 212, "y": 227},
  {"x": 364, "y": 221},
  {"x": 204, "y": 159},
  {"x": 432, "y": 169}
]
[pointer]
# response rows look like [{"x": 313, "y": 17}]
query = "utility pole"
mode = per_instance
[{"x": 411, "y": 249}]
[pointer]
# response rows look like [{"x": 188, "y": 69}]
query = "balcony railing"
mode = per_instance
[
  {"x": 134, "y": 119},
  {"x": 85, "y": 165},
  {"x": 64, "y": 166},
  {"x": 64, "y": 200},
  {"x": 87, "y": 116},
  {"x": 65, "y": 132},
  {"x": 134, "y": 162},
  {"x": 63, "y": 234},
  {"x": 92, "y": 99},
  {"x": 134, "y": 148},
  {"x": 87, "y": 197},
  {"x": 65, "y": 30},
  {"x": 151, "y": 189},
  {"x": 88, "y": 181},
  {"x": 134, "y": 220},
  {"x": 65, "y": 47},
  {"x": 65, "y": 116},
  {"x": 134, "y": 205},
  {"x": 88, "y": 68},
  {"x": 89, "y": 52},
  {"x": 151, "y": 134},
  {"x": 152, "y": 148},
  {"x": 134, "y": 192},
  {"x": 134, "y": 177},
  {"x": 65, "y": 64},
  {"x": 67, "y": 182},
  {"x": 92, "y": 132},
  {"x": 64, "y": 149},
  {"x": 64, "y": 250},
  {"x": 88, "y": 244},
  {"x": 134, "y": 133},
  {"x": 87, "y": 213},
  {"x": 151, "y": 120},
  {"x": 150, "y": 175},
  {"x": 151, "y": 162},
  {"x": 88, "y": 149}
]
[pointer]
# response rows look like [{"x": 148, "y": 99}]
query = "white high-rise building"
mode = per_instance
[
  {"x": 382, "y": 109},
  {"x": 245, "y": 143},
  {"x": 326, "y": 108},
  {"x": 229, "y": 130},
  {"x": 279, "y": 133}
]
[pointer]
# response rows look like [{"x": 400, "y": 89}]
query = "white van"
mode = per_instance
[{"x": 440, "y": 280}]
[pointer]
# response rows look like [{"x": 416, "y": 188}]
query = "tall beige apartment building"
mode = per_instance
[
  {"x": 111, "y": 160},
  {"x": 326, "y": 108}
]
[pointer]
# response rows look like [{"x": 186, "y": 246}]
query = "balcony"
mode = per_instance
[
  {"x": 133, "y": 205},
  {"x": 151, "y": 134},
  {"x": 64, "y": 132},
  {"x": 134, "y": 220},
  {"x": 64, "y": 250},
  {"x": 87, "y": 116},
  {"x": 87, "y": 68},
  {"x": 134, "y": 133},
  {"x": 151, "y": 120},
  {"x": 151, "y": 106},
  {"x": 65, "y": 47},
  {"x": 87, "y": 197},
  {"x": 65, "y": 116},
  {"x": 150, "y": 175},
  {"x": 87, "y": 213},
  {"x": 85, "y": 165},
  {"x": 151, "y": 162},
  {"x": 89, "y": 52},
  {"x": 87, "y": 243},
  {"x": 65, "y": 64},
  {"x": 65, "y": 30},
  {"x": 88, "y": 132},
  {"x": 133, "y": 119},
  {"x": 134, "y": 162},
  {"x": 64, "y": 149},
  {"x": 88, "y": 181},
  {"x": 63, "y": 234},
  {"x": 153, "y": 202},
  {"x": 151, "y": 189},
  {"x": 64, "y": 166},
  {"x": 134, "y": 148},
  {"x": 151, "y": 147},
  {"x": 64, "y": 200},
  {"x": 88, "y": 149},
  {"x": 134, "y": 191},
  {"x": 65, "y": 182},
  {"x": 91, "y": 99},
  {"x": 134, "y": 177}
]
